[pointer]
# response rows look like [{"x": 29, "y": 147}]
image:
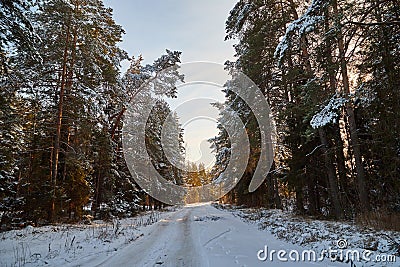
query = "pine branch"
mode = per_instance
[{"x": 387, "y": 23}]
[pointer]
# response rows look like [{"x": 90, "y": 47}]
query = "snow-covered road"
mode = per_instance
[{"x": 200, "y": 236}]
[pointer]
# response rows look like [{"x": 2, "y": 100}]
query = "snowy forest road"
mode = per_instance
[
  {"x": 168, "y": 244},
  {"x": 201, "y": 236}
]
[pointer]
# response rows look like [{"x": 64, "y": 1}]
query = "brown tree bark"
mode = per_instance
[
  {"x": 333, "y": 184},
  {"x": 56, "y": 146},
  {"x": 340, "y": 158},
  {"x": 65, "y": 84},
  {"x": 354, "y": 140},
  {"x": 330, "y": 167}
]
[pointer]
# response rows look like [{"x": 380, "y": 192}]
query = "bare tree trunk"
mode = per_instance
[
  {"x": 65, "y": 84},
  {"x": 333, "y": 184},
  {"x": 67, "y": 93},
  {"x": 354, "y": 140},
  {"x": 56, "y": 149},
  {"x": 340, "y": 158},
  {"x": 330, "y": 168}
]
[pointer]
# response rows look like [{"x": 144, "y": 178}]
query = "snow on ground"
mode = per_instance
[
  {"x": 199, "y": 235},
  {"x": 318, "y": 234},
  {"x": 196, "y": 235},
  {"x": 62, "y": 244}
]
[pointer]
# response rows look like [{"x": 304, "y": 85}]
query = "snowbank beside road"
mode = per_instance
[
  {"x": 319, "y": 234},
  {"x": 62, "y": 244}
]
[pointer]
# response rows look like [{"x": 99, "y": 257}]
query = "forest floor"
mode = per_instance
[{"x": 194, "y": 235}]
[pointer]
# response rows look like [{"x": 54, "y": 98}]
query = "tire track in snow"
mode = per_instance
[{"x": 169, "y": 243}]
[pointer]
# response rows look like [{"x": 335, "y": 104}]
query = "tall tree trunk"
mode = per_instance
[
  {"x": 333, "y": 184},
  {"x": 67, "y": 94},
  {"x": 341, "y": 160},
  {"x": 330, "y": 167},
  {"x": 56, "y": 147},
  {"x": 331, "y": 70},
  {"x": 354, "y": 140}
]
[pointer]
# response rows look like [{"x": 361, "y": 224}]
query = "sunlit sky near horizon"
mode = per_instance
[{"x": 197, "y": 29}]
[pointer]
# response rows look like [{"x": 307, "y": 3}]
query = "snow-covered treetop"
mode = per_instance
[
  {"x": 166, "y": 65},
  {"x": 237, "y": 18},
  {"x": 305, "y": 24}
]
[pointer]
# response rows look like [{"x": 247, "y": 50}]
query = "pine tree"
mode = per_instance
[{"x": 16, "y": 31}]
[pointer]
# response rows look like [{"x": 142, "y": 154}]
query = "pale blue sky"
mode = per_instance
[{"x": 194, "y": 27}]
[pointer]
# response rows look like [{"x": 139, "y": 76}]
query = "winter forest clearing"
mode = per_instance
[{"x": 291, "y": 142}]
